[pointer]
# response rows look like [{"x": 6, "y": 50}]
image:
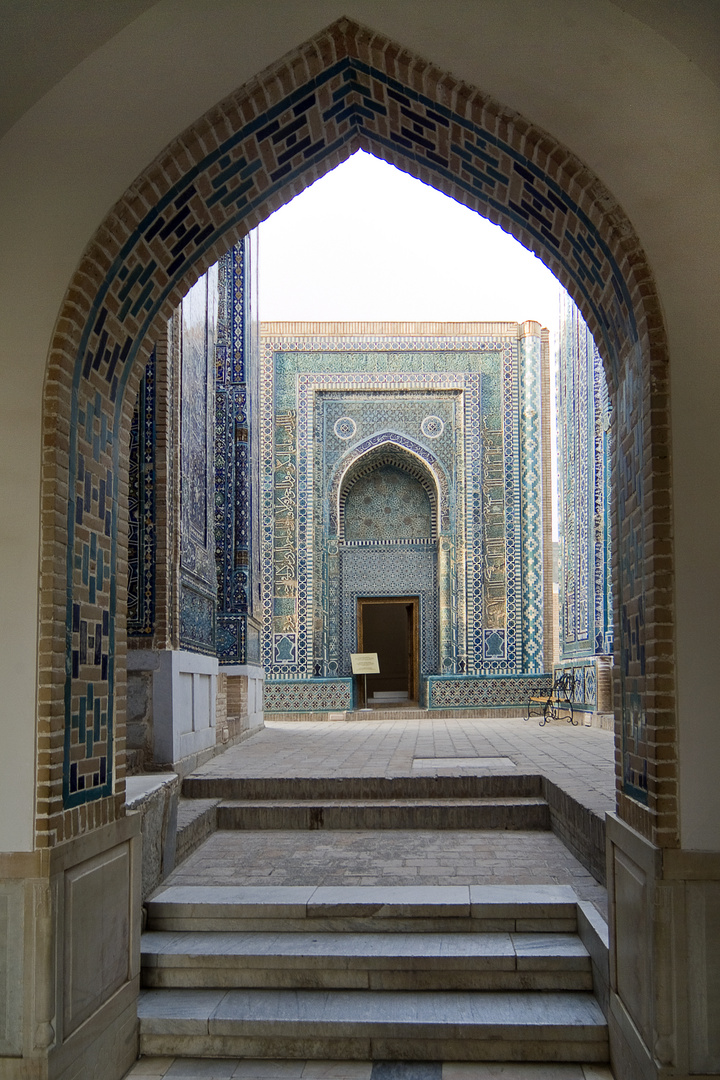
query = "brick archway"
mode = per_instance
[{"x": 347, "y": 88}]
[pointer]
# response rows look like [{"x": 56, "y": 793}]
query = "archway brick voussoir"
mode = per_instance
[{"x": 171, "y": 278}]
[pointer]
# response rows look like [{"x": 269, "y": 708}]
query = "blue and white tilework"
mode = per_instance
[
  {"x": 233, "y": 525},
  {"x": 584, "y": 415},
  {"x": 442, "y": 411},
  {"x": 141, "y": 509},
  {"x": 316, "y": 695},
  {"x": 198, "y": 575},
  {"x": 489, "y": 693}
]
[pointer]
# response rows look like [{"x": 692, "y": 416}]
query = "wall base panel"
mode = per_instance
[{"x": 664, "y": 958}]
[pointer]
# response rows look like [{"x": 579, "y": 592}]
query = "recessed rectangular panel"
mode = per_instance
[
  {"x": 703, "y": 920},
  {"x": 97, "y": 933},
  {"x": 183, "y": 712},
  {"x": 11, "y": 969},
  {"x": 633, "y": 930},
  {"x": 202, "y": 687}
]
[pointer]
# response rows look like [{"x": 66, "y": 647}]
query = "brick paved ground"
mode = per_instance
[
  {"x": 205, "y": 1069},
  {"x": 387, "y": 857},
  {"x": 577, "y": 759}
]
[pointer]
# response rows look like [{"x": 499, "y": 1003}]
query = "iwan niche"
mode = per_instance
[{"x": 406, "y": 461}]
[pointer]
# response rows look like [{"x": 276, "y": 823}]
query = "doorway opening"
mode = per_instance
[{"x": 390, "y": 627}]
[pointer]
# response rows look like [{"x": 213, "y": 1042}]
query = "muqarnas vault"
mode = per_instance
[{"x": 405, "y": 461}]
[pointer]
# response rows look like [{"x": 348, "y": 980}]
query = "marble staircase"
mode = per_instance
[{"x": 428, "y": 973}]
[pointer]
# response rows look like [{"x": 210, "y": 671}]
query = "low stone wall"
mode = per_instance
[
  {"x": 197, "y": 820},
  {"x": 580, "y": 829},
  {"x": 154, "y": 797}
]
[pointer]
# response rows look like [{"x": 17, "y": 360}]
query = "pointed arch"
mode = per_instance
[
  {"x": 347, "y": 88},
  {"x": 390, "y": 448}
]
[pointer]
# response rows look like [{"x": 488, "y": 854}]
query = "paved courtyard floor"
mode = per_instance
[
  {"x": 387, "y": 857},
  {"x": 578, "y": 759}
]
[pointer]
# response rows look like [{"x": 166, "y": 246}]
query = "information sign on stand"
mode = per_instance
[{"x": 365, "y": 663}]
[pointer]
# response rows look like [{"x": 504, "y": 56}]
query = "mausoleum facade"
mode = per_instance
[
  {"x": 584, "y": 414},
  {"x": 404, "y": 460}
]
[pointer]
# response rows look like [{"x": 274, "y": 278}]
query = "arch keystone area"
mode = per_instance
[{"x": 347, "y": 88}]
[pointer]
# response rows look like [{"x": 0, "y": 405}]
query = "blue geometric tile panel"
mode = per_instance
[
  {"x": 490, "y": 692},
  {"x": 309, "y": 695}
]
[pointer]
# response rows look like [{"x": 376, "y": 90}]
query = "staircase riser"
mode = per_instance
[
  {"x": 364, "y": 787},
  {"x": 247, "y": 978},
  {"x": 276, "y": 1046},
  {"x": 397, "y": 925},
  {"x": 517, "y": 817}
]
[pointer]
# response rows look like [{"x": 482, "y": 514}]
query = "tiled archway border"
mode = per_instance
[{"x": 347, "y": 88}]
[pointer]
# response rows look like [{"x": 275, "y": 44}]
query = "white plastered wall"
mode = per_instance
[{"x": 642, "y": 115}]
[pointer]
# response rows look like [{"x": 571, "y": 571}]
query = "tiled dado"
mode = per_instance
[
  {"x": 498, "y": 691},
  {"x": 308, "y": 695},
  {"x": 593, "y": 682},
  {"x": 346, "y": 88}
]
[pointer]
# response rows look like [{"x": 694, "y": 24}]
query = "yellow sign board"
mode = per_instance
[{"x": 365, "y": 663}]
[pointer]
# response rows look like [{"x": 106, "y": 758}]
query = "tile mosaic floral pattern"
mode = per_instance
[{"x": 387, "y": 505}]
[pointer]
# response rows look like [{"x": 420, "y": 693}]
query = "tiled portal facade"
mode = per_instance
[
  {"x": 403, "y": 460},
  {"x": 365, "y": 460},
  {"x": 584, "y": 454}
]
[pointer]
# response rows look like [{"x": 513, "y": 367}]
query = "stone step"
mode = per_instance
[
  {"x": 400, "y": 711},
  {"x": 520, "y": 812},
  {"x": 373, "y": 1025},
  {"x": 493, "y": 785},
  {"x": 399, "y": 909},
  {"x": 374, "y": 961}
]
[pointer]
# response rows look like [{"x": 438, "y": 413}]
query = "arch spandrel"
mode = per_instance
[{"x": 349, "y": 88}]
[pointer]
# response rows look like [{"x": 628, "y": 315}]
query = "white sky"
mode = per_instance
[{"x": 368, "y": 242}]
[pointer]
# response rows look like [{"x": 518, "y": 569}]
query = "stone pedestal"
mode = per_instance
[
  {"x": 664, "y": 958},
  {"x": 180, "y": 687}
]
